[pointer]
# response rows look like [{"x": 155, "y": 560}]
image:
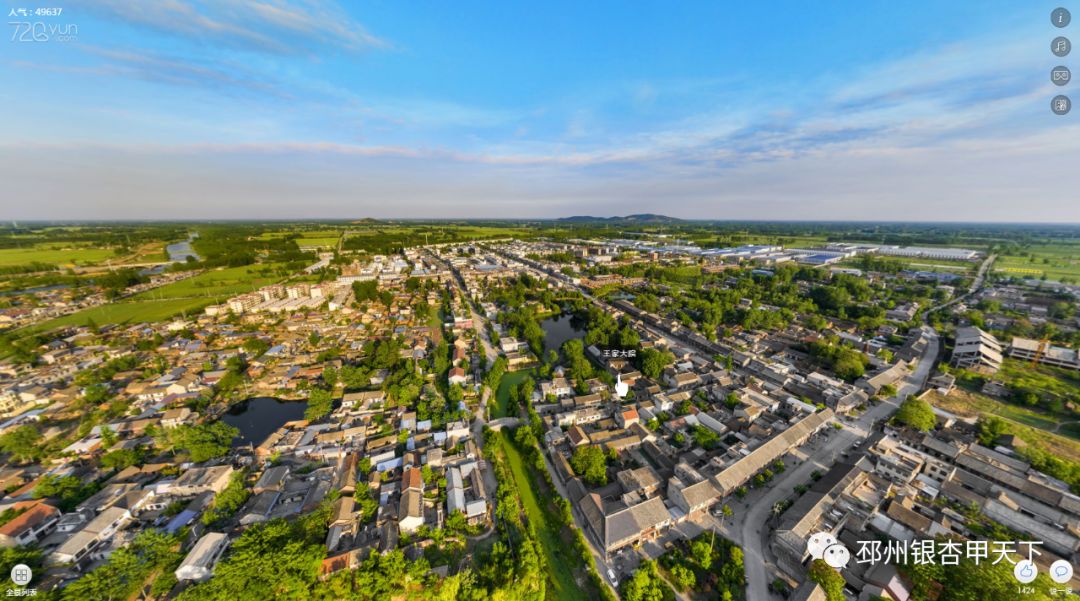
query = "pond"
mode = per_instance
[
  {"x": 35, "y": 289},
  {"x": 259, "y": 417},
  {"x": 560, "y": 328},
  {"x": 180, "y": 251}
]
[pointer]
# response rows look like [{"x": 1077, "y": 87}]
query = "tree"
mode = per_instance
[
  {"x": 646, "y": 584},
  {"x": 319, "y": 404},
  {"x": 683, "y": 577},
  {"x": 126, "y": 569},
  {"x": 590, "y": 463},
  {"x": 272, "y": 560},
  {"x": 652, "y": 362},
  {"x": 990, "y": 429},
  {"x": 732, "y": 400},
  {"x": 229, "y": 500},
  {"x": 849, "y": 367},
  {"x": 702, "y": 552},
  {"x": 704, "y": 437},
  {"x": 108, "y": 437},
  {"x": 122, "y": 458},
  {"x": 22, "y": 443},
  {"x": 69, "y": 490},
  {"x": 202, "y": 441},
  {"x": 829, "y": 579},
  {"x": 916, "y": 413},
  {"x": 365, "y": 291},
  {"x": 725, "y": 512}
]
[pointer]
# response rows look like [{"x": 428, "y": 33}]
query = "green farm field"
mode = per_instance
[
  {"x": 217, "y": 283},
  {"x": 125, "y": 312},
  {"x": 54, "y": 255}
]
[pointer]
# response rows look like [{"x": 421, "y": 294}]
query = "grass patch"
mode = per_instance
[
  {"x": 561, "y": 562},
  {"x": 1032, "y": 427},
  {"x": 1047, "y": 380},
  {"x": 502, "y": 396},
  {"x": 323, "y": 242},
  {"x": 125, "y": 312},
  {"x": 217, "y": 283},
  {"x": 53, "y": 255},
  {"x": 1055, "y": 262}
]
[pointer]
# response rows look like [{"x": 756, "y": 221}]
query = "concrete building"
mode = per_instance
[
  {"x": 83, "y": 544},
  {"x": 36, "y": 521},
  {"x": 617, "y": 526},
  {"x": 1027, "y": 349},
  {"x": 976, "y": 350},
  {"x": 739, "y": 472},
  {"x": 199, "y": 563},
  {"x": 202, "y": 479}
]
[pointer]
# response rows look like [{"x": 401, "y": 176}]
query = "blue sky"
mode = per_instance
[{"x": 783, "y": 110}]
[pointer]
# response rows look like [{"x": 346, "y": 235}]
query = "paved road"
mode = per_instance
[
  {"x": 754, "y": 533},
  {"x": 976, "y": 284}
]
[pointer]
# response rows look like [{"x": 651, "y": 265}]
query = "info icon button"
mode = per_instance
[{"x": 1060, "y": 17}]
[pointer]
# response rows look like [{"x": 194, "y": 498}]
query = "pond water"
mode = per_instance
[
  {"x": 259, "y": 417},
  {"x": 36, "y": 289},
  {"x": 560, "y": 328},
  {"x": 180, "y": 251}
]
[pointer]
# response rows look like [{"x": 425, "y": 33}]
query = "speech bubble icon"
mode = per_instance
[
  {"x": 818, "y": 542},
  {"x": 1061, "y": 571},
  {"x": 837, "y": 556}
]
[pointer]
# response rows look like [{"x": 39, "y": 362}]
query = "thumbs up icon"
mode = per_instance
[{"x": 1025, "y": 571}]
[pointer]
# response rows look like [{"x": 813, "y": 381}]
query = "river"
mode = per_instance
[{"x": 180, "y": 251}]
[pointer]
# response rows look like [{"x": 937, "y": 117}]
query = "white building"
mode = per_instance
[
  {"x": 199, "y": 563},
  {"x": 976, "y": 350}
]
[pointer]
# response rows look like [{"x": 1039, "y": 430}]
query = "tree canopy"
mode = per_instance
[
  {"x": 590, "y": 463},
  {"x": 916, "y": 413}
]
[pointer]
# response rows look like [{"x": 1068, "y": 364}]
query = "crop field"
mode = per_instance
[
  {"x": 54, "y": 255},
  {"x": 1056, "y": 267},
  {"x": 390, "y": 238},
  {"x": 217, "y": 283},
  {"x": 125, "y": 312},
  {"x": 324, "y": 242}
]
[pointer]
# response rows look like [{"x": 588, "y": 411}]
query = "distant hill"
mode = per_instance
[
  {"x": 639, "y": 218},
  {"x": 364, "y": 221}
]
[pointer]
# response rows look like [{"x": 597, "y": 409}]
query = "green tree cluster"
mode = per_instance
[{"x": 590, "y": 463}]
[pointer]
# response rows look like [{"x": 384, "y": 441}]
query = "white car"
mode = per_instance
[{"x": 611, "y": 576}]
